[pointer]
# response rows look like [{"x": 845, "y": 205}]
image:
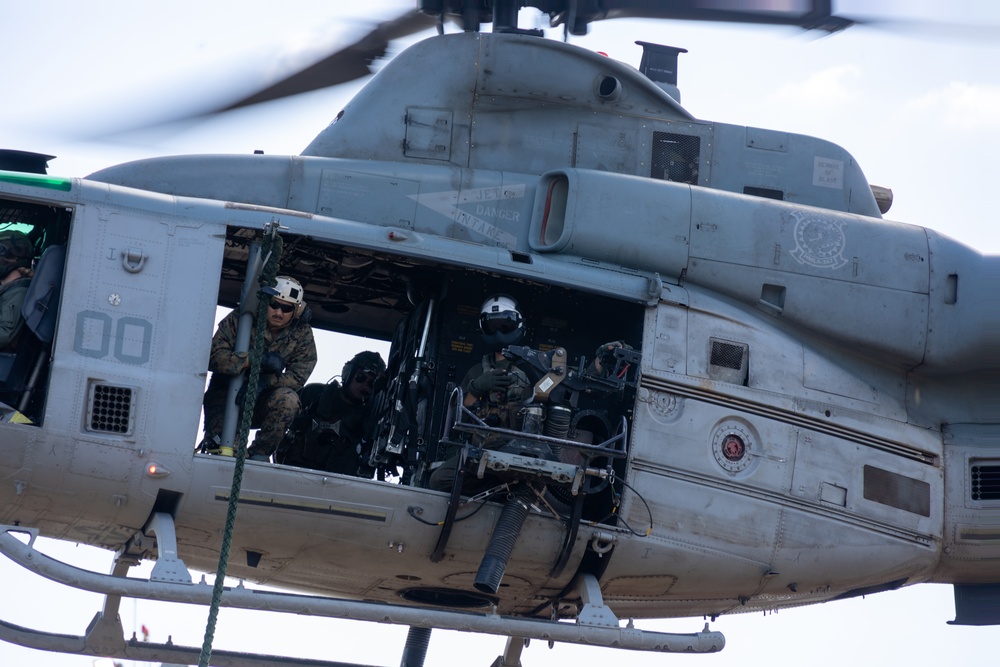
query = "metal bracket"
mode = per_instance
[
  {"x": 597, "y": 627},
  {"x": 169, "y": 567},
  {"x": 594, "y": 613},
  {"x": 105, "y": 634},
  {"x": 133, "y": 260},
  {"x": 512, "y": 653},
  {"x": 496, "y": 461}
]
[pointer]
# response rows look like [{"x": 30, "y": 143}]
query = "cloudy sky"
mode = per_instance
[{"x": 917, "y": 104}]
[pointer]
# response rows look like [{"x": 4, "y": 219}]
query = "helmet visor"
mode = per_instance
[{"x": 503, "y": 322}]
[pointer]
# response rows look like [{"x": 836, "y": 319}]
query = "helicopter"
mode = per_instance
[{"x": 689, "y": 282}]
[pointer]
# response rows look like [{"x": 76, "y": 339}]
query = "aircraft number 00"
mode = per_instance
[{"x": 95, "y": 332}]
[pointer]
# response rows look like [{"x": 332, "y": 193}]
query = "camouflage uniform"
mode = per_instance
[
  {"x": 17, "y": 253},
  {"x": 11, "y": 298},
  {"x": 329, "y": 432},
  {"x": 497, "y": 408},
  {"x": 277, "y": 401}
]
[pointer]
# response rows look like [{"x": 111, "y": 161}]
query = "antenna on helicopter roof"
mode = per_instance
[{"x": 659, "y": 64}]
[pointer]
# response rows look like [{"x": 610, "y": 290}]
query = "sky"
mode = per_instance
[{"x": 918, "y": 108}]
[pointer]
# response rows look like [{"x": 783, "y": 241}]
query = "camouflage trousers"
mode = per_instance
[{"x": 272, "y": 415}]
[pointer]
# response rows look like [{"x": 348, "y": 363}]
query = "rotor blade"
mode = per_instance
[
  {"x": 985, "y": 34},
  {"x": 811, "y": 15},
  {"x": 815, "y": 15},
  {"x": 806, "y": 14},
  {"x": 345, "y": 65}
]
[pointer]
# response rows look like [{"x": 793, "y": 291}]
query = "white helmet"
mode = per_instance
[
  {"x": 290, "y": 290},
  {"x": 500, "y": 321}
]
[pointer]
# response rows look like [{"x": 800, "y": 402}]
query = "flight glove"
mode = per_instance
[
  {"x": 271, "y": 363},
  {"x": 495, "y": 379}
]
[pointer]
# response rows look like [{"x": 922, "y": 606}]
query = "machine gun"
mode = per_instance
[
  {"x": 551, "y": 416},
  {"x": 548, "y": 462}
]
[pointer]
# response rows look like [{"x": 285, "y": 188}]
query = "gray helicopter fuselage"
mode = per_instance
[{"x": 816, "y": 394}]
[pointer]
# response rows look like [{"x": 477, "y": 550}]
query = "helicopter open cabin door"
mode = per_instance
[
  {"x": 32, "y": 252},
  {"x": 429, "y": 310}
]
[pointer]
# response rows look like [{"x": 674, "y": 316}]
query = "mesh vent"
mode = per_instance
[
  {"x": 728, "y": 362},
  {"x": 110, "y": 409},
  {"x": 985, "y": 481},
  {"x": 727, "y": 355},
  {"x": 675, "y": 157},
  {"x": 899, "y": 491}
]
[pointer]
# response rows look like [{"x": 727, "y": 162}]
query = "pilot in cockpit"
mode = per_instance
[{"x": 493, "y": 388}]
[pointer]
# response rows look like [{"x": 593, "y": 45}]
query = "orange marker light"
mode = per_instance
[{"x": 154, "y": 469}]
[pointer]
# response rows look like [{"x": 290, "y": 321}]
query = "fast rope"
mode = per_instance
[{"x": 271, "y": 249}]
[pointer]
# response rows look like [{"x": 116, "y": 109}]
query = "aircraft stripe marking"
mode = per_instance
[
  {"x": 447, "y": 203},
  {"x": 335, "y": 510}
]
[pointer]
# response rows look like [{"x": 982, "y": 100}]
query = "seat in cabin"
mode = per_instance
[{"x": 21, "y": 371}]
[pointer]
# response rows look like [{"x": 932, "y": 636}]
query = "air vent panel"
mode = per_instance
[
  {"x": 899, "y": 491},
  {"x": 728, "y": 361},
  {"x": 984, "y": 481},
  {"x": 109, "y": 409},
  {"x": 675, "y": 157}
]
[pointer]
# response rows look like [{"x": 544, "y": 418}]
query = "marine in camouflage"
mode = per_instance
[{"x": 277, "y": 399}]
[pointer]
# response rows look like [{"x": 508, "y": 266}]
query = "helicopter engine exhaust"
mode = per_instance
[{"x": 498, "y": 551}]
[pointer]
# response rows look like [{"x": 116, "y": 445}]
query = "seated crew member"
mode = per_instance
[
  {"x": 329, "y": 433},
  {"x": 15, "y": 276},
  {"x": 289, "y": 357},
  {"x": 494, "y": 387}
]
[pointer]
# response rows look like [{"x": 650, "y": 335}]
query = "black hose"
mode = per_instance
[
  {"x": 557, "y": 421},
  {"x": 415, "y": 650},
  {"x": 501, "y": 545}
]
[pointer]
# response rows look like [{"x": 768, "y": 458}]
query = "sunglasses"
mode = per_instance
[
  {"x": 363, "y": 377},
  {"x": 283, "y": 307}
]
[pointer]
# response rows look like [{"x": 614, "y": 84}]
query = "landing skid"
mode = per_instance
[
  {"x": 596, "y": 626},
  {"x": 143, "y": 651}
]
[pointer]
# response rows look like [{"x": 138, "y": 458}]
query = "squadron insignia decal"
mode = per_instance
[{"x": 819, "y": 241}]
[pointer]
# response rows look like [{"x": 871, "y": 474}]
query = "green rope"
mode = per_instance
[{"x": 271, "y": 249}]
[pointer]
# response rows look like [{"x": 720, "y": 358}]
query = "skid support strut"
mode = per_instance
[{"x": 597, "y": 626}]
